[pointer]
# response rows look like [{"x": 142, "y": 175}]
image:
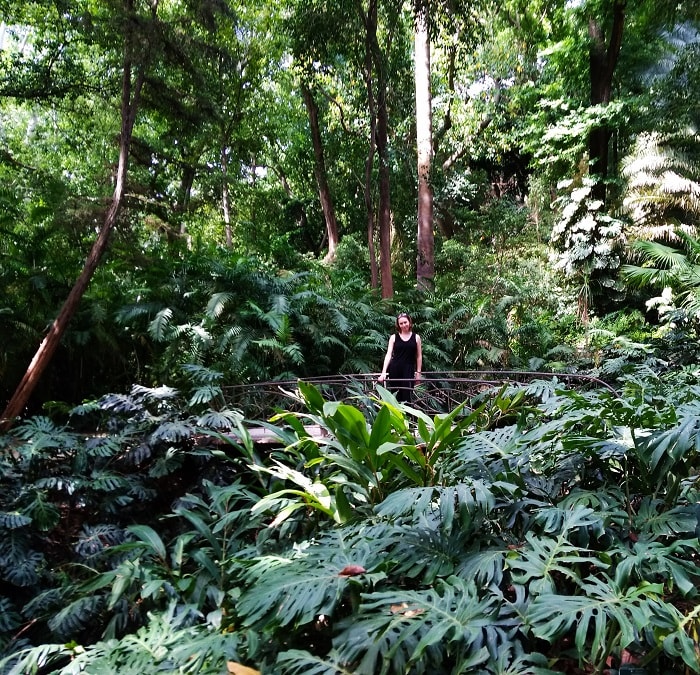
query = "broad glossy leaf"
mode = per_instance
[
  {"x": 427, "y": 627},
  {"x": 601, "y": 611},
  {"x": 150, "y": 537}
]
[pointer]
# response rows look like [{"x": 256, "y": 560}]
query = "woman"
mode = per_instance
[{"x": 404, "y": 359}]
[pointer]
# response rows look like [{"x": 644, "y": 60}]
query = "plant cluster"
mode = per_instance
[{"x": 534, "y": 529}]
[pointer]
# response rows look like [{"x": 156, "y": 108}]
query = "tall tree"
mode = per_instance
[
  {"x": 324, "y": 191},
  {"x": 425, "y": 264},
  {"x": 603, "y": 58},
  {"x": 134, "y": 65},
  {"x": 377, "y": 73}
]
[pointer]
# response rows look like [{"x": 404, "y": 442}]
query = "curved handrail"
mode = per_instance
[{"x": 437, "y": 390}]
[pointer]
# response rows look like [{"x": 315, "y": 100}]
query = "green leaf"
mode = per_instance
[
  {"x": 312, "y": 396},
  {"x": 603, "y": 612},
  {"x": 13, "y": 520},
  {"x": 418, "y": 631},
  {"x": 381, "y": 431},
  {"x": 345, "y": 510},
  {"x": 293, "y": 590},
  {"x": 149, "y": 536}
]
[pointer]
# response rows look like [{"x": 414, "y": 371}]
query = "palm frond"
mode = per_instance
[
  {"x": 159, "y": 325},
  {"x": 217, "y": 303}
]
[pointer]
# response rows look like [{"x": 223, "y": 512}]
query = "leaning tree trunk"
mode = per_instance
[
  {"x": 324, "y": 191},
  {"x": 425, "y": 264},
  {"x": 43, "y": 356}
]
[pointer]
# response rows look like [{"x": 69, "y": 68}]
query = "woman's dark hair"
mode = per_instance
[{"x": 402, "y": 316}]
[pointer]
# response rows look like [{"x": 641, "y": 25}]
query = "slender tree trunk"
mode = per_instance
[
  {"x": 225, "y": 206},
  {"x": 42, "y": 358},
  {"x": 425, "y": 264},
  {"x": 603, "y": 60},
  {"x": 371, "y": 225},
  {"x": 382, "y": 144},
  {"x": 384, "y": 197},
  {"x": 369, "y": 162},
  {"x": 185, "y": 193},
  {"x": 324, "y": 191}
]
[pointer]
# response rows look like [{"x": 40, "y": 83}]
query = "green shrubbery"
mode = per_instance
[{"x": 536, "y": 529}]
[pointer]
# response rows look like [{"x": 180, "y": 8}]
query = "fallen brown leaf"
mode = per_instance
[{"x": 239, "y": 669}]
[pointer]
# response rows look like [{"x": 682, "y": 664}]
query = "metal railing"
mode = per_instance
[{"x": 437, "y": 392}]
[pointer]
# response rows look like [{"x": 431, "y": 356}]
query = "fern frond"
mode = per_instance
[
  {"x": 130, "y": 312},
  {"x": 202, "y": 375}
]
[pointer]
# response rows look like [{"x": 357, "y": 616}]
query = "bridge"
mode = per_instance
[{"x": 437, "y": 392}]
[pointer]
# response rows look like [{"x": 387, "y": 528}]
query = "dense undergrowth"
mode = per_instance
[{"x": 534, "y": 529}]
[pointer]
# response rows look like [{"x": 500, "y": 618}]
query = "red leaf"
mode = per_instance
[{"x": 351, "y": 571}]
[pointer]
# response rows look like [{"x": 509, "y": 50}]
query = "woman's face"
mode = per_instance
[{"x": 404, "y": 324}]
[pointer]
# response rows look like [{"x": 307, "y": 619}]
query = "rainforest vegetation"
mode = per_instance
[{"x": 202, "y": 197}]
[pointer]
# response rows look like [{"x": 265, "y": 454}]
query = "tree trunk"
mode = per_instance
[
  {"x": 225, "y": 206},
  {"x": 324, "y": 191},
  {"x": 369, "y": 162},
  {"x": 43, "y": 356},
  {"x": 603, "y": 61},
  {"x": 425, "y": 264},
  {"x": 382, "y": 144},
  {"x": 369, "y": 207}
]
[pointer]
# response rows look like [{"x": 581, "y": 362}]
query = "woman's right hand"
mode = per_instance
[{"x": 381, "y": 378}]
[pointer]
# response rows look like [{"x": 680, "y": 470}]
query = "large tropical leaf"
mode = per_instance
[
  {"x": 543, "y": 561},
  {"x": 604, "y": 615},
  {"x": 295, "y": 589},
  {"x": 419, "y": 631},
  {"x": 445, "y": 502},
  {"x": 300, "y": 662}
]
